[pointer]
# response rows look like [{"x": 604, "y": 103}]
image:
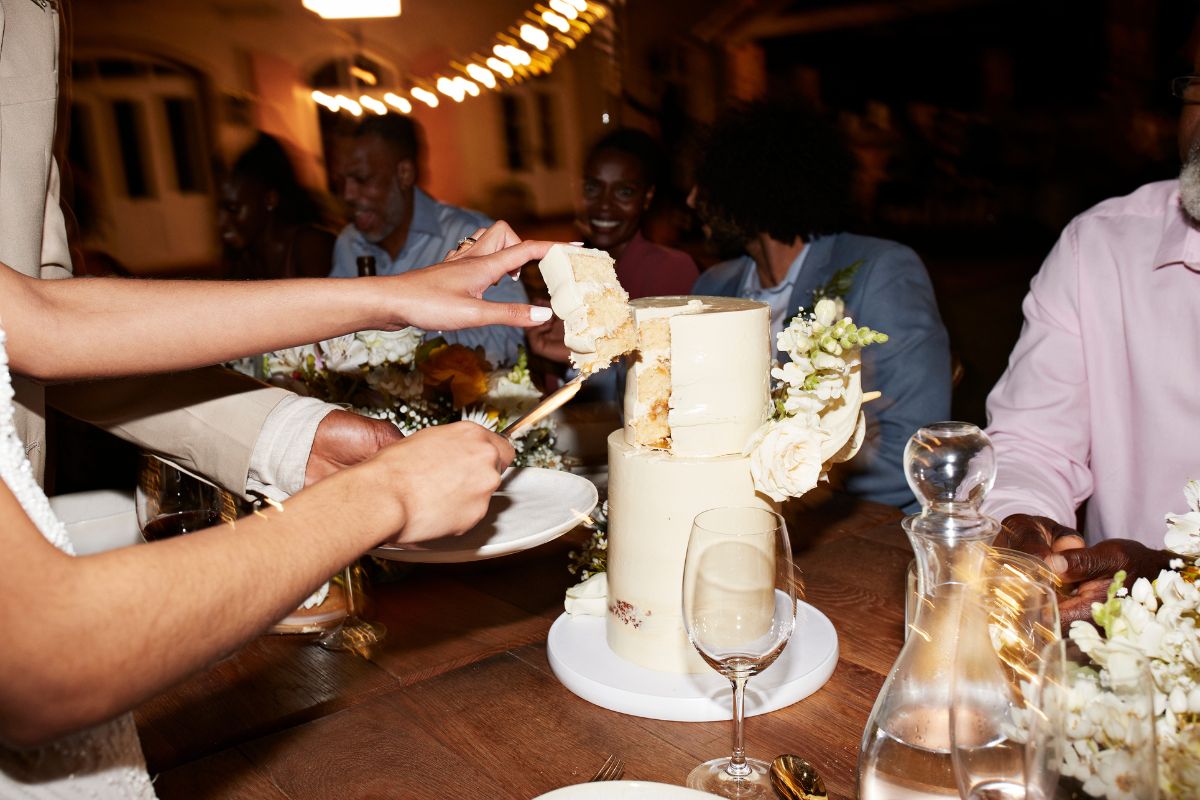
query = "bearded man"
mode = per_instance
[
  {"x": 1099, "y": 401},
  {"x": 402, "y": 228}
]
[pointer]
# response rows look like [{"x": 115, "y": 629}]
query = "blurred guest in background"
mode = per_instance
[
  {"x": 402, "y": 228},
  {"x": 620, "y": 177},
  {"x": 269, "y": 223},
  {"x": 774, "y": 182},
  {"x": 619, "y": 180}
]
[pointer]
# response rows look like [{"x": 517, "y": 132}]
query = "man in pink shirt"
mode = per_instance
[{"x": 1099, "y": 401}]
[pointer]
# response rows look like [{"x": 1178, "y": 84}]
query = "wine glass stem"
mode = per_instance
[
  {"x": 348, "y": 579},
  {"x": 737, "y": 762}
]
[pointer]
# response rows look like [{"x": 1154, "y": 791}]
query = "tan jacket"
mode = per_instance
[{"x": 209, "y": 419}]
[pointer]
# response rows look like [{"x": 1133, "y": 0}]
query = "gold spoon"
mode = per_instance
[{"x": 793, "y": 778}]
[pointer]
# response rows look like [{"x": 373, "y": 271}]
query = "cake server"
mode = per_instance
[{"x": 550, "y": 403}]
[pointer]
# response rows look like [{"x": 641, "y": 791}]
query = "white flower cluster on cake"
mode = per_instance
[
  {"x": 1161, "y": 620},
  {"x": 415, "y": 382},
  {"x": 817, "y": 419}
]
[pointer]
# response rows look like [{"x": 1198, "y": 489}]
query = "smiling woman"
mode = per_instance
[{"x": 619, "y": 179}]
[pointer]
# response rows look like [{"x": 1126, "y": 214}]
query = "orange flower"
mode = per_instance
[{"x": 464, "y": 369}]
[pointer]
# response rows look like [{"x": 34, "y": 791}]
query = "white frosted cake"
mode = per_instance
[
  {"x": 695, "y": 394},
  {"x": 585, "y": 294}
]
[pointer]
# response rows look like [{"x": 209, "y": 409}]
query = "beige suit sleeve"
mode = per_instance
[
  {"x": 56, "y": 256},
  {"x": 208, "y": 420}
]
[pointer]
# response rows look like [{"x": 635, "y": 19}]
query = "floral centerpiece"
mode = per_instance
[
  {"x": 817, "y": 419},
  {"x": 1160, "y": 619},
  {"x": 415, "y": 382}
]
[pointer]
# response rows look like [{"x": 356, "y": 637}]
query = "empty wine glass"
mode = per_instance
[
  {"x": 1007, "y": 621},
  {"x": 739, "y": 608},
  {"x": 997, "y": 561},
  {"x": 354, "y": 634},
  {"x": 170, "y": 501},
  {"x": 1092, "y": 731}
]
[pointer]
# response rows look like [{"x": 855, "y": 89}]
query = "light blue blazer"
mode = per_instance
[{"x": 891, "y": 293}]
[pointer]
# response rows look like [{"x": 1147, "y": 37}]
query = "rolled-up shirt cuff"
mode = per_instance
[{"x": 280, "y": 456}]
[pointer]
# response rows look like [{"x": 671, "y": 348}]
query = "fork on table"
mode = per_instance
[{"x": 611, "y": 770}]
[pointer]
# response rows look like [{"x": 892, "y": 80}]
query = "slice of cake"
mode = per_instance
[{"x": 595, "y": 311}]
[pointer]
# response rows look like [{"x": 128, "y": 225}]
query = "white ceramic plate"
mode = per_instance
[
  {"x": 625, "y": 790},
  {"x": 531, "y": 507}
]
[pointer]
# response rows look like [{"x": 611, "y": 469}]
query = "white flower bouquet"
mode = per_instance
[
  {"x": 817, "y": 419},
  {"x": 415, "y": 382},
  {"x": 1161, "y": 620}
]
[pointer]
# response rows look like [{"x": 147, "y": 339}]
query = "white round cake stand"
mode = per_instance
[{"x": 580, "y": 657}]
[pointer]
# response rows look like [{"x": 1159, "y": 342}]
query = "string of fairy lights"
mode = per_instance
[{"x": 528, "y": 48}]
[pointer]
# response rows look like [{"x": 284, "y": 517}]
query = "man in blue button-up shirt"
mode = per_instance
[{"x": 404, "y": 229}]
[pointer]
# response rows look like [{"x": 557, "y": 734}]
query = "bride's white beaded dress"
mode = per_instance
[{"x": 105, "y": 761}]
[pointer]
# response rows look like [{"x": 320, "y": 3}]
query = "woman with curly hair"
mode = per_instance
[{"x": 773, "y": 191}]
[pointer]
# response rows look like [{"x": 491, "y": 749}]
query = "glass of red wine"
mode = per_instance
[{"x": 171, "y": 501}]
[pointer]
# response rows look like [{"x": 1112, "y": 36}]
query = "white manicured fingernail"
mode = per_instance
[
  {"x": 575, "y": 244},
  {"x": 1056, "y": 563},
  {"x": 539, "y": 313},
  {"x": 516, "y": 276}
]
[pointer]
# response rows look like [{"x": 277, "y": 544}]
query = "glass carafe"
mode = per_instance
[{"x": 905, "y": 752}]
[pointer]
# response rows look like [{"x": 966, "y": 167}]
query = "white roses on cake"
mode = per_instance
[
  {"x": 785, "y": 459},
  {"x": 817, "y": 419}
]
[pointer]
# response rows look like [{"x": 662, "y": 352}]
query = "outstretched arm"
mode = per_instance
[
  {"x": 223, "y": 585},
  {"x": 102, "y": 327}
]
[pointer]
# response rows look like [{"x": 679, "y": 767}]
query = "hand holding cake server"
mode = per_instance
[{"x": 125, "y": 646}]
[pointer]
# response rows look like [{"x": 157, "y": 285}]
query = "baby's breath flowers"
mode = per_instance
[
  {"x": 1161, "y": 620},
  {"x": 816, "y": 419},
  {"x": 593, "y": 558},
  {"x": 416, "y": 382}
]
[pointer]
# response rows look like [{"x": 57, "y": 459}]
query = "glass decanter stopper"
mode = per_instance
[{"x": 905, "y": 751}]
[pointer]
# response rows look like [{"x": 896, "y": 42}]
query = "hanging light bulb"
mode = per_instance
[
  {"x": 496, "y": 65},
  {"x": 371, "y": 104},
  {"x": 353, "y": 9},
  {"x": 564, "y": 8},
  {"x": 470, "y": 87},
  {"x": 555, "y": 21},
  {"x": 513, "y": 55},
  {"x": 349, "y": 105},
  {"x": 326, "y": 100},
  {"x": 451, "y": 88},
  {"x": 482, "y": 75},
  {"x": 397, "y": 102},
  {"x": 535, "y": 36},
  {"x": 425, "y": 96}
]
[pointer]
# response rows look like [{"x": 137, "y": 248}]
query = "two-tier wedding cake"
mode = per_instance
[
  {"x": 694, "y": 395},
  {"x": 702, "y": 429}
]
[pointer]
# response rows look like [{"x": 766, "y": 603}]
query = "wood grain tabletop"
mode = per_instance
[{"x": 460, "y": 701}]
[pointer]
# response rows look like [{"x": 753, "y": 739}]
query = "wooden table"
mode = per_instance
[{"x": 460, "y": 701}]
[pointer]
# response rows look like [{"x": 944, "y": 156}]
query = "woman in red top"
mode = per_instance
[{"x": 619, "y": 179}]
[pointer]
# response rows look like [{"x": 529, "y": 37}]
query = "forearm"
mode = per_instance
[
  {"x": 180, "y": 605},
  {"x": 102, "y": 327}
]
